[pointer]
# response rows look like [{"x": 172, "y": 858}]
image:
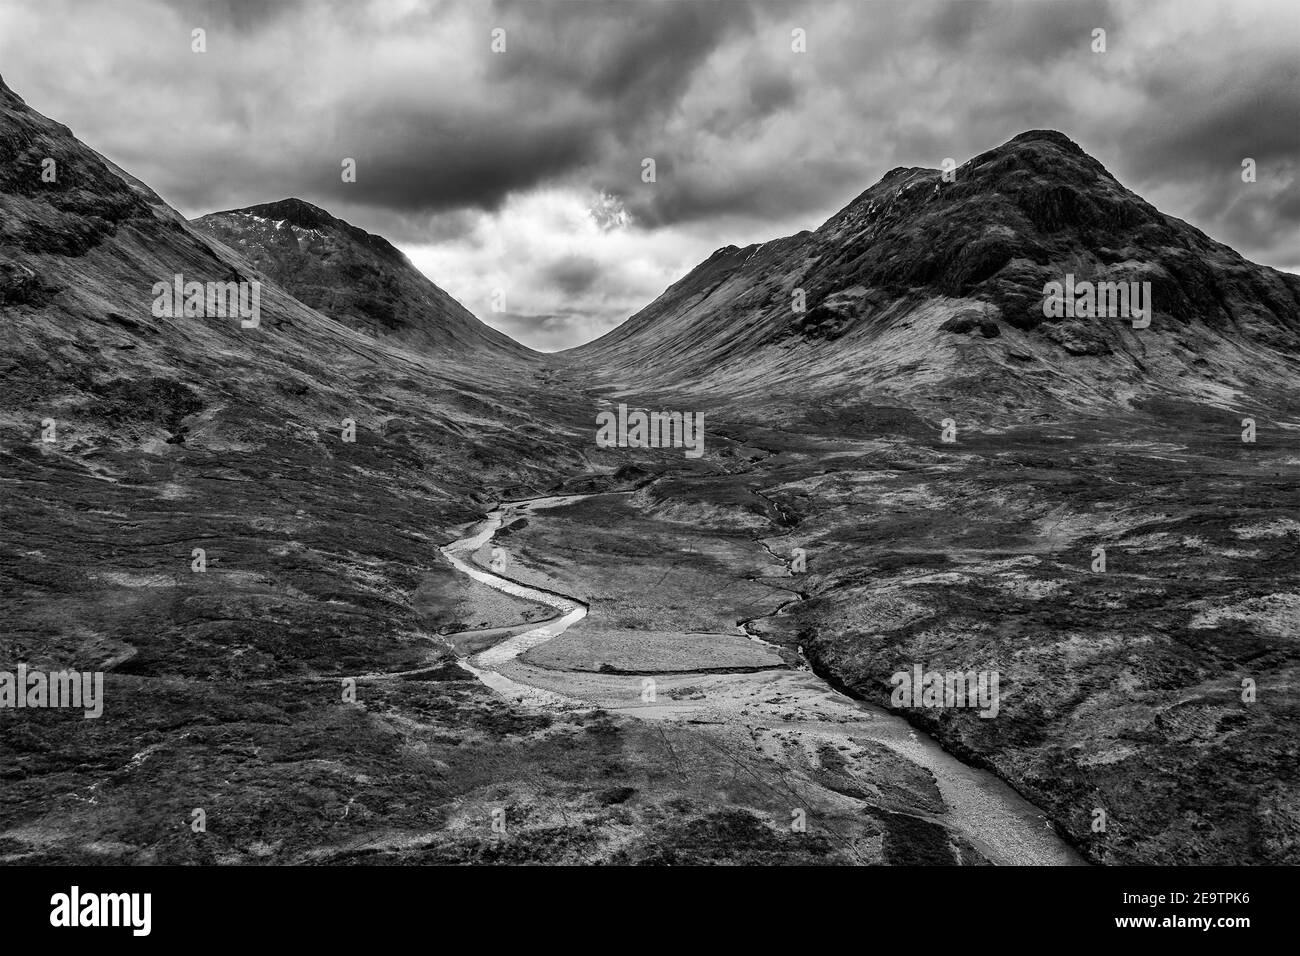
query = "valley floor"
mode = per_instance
[
  {"x": 847, "y": 769},
  {"x": 655, "y": 685}
]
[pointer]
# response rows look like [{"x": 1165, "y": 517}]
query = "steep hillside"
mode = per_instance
[
  {"x": 355, "y": 277},
  {"x": 183, "y": 511},
  {"x": 317, "y": 467},
  {"x": 1125, "y": 681},
  {"x": 922, "y": 287}
]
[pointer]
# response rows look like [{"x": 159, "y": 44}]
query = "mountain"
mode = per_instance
[
  {"x": 141, "y": 435},
  {"x": 1099, "y": 527},
  {"x": 922, "y": 287},
  {"x": 354, "y": 277},
  {"x": 184, "y": 511}
]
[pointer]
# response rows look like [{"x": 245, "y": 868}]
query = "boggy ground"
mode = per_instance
[
  {"x": 1122, "y": 690},
  {"x": 224, "y": 689},
  {"x": 1126, "y": 694},
  {"x": 836, "y": 764}
]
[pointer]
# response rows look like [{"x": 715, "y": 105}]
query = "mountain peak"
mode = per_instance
[
  {"x": 968, "y": 255},
  {"x": 351, "y": 275},
  {"x": 1052, "y": 136},
  {"x": 295, "y": 210},
  {"x": 898, "y": 171},
  {"x": 305, "y": 215}
]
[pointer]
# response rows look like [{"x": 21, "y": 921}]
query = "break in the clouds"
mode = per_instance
[{"x": 520, "y": 171}]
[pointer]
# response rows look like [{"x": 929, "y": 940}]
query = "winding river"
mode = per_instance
[{"x": 775, "y": 703}]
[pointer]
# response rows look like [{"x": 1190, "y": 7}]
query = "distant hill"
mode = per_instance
[
  {"x": 922, "y": 287},
  {"x": 353, "y": 276}
]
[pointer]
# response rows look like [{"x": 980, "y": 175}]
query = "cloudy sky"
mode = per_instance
[{"x": 521, "y": 170}]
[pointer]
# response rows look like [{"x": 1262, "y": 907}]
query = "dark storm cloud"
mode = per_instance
[
  {"x": 1216, "y": 127},
  {"x": 1263, "y": 219},
  {"x": 772, "y": 192},
  {"x": 769, "y": 93},
  {"x": 242, "y": 15},
  {"x": 571, "y": 274},
  {"x": 422, "y": 167},
  {"x": 751, "y": 138},
  {"x": 952, "y": 24},
  {"x": 739, "y": 124},
  {"x": 575, "y": 81},
  {"x": 1041, "y": 32},
  {"x": 640, "y": 55},
  {"x": 573, "y": 77},
  {"x": 1193, "y": 148}
]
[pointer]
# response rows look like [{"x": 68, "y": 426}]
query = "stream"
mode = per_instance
[{"x": 772, "y": 705}]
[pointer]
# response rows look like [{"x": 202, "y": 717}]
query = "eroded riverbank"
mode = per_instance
[{"x": 784, "y": 725}]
